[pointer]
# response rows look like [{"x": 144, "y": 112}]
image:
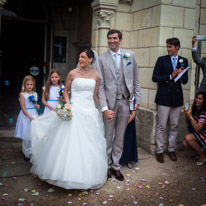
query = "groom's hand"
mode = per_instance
[{"x": 109, "y": 114}]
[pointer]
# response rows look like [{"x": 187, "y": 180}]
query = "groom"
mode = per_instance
[{"x": 119, "y": 83}]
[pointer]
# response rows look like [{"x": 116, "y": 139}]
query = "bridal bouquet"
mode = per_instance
[{"x": 64, "y": 111}]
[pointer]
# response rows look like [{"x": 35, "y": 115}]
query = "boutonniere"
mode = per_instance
[
  {"x": 126, "y": 55},
  {"x": 33, "y": 98},
  {"x": 61, "y": 90},
  {"x": 181, "y": 62}
]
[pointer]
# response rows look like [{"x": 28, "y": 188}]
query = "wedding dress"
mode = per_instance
[{"x": 71, "y": 154}]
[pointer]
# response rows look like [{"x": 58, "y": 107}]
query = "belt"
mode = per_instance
[
  {"x": 52, "y": 100},
  {"x": 30, "y": 108}
]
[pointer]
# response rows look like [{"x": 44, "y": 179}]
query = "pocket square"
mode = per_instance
[{"x": 128, "y": 63}]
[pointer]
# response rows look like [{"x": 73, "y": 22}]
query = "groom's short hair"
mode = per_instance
[{"x": 113, "y": 31}]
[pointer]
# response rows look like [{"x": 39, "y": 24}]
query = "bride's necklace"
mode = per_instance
[{"x": 86, "y": 71}]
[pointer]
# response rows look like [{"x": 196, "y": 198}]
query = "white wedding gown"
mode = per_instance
[{"x": 71, "y": 154}]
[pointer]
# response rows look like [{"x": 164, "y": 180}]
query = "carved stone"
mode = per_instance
[{"x": 104, "y": 18}]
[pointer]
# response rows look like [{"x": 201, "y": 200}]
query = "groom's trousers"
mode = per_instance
[{"x": 114, "y": 132}]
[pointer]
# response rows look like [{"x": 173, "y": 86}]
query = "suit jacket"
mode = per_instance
[
  {"x": 202, "y": 63},
  {"x": 169, "y": 93},
  {"x": 108, "y": 78}
]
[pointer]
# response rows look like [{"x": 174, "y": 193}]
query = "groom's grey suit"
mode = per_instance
[{"x": 117, "y": 86}]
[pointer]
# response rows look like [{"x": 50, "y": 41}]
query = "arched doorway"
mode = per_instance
[{"x": 23, "y": 24}]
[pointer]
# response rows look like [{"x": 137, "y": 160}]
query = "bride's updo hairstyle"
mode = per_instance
[{"x": 90, "y": 54}]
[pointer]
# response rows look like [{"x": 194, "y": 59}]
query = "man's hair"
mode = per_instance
[
  {"x": 173, "y": 41},
  {"x": 113, "y": 31}
]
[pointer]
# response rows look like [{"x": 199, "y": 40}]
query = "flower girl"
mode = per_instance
[
  {"x": 28, "y": 102},
  {"x": 52, "y": 91}
]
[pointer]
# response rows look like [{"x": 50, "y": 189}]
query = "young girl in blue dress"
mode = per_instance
[
  {"x": 28, "y": 102},
  {"x": 51, "y": 90}
]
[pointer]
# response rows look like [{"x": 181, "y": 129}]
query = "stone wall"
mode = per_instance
[{"x": 146, "y": 24}]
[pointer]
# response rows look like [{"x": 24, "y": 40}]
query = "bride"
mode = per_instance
[{"x": 72, "y": 154}]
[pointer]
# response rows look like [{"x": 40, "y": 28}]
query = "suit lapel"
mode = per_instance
[
  {"x": 169, "y": 62},
  {"x": 111, "y": 63},
  {"x": 124, "y": 61}
]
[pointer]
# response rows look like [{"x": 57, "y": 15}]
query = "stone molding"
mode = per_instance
[
  {"x": 104, "y": 11},
  {"x": 126, "y": 2}
]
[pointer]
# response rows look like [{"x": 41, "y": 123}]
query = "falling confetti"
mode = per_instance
[{"x": 21, "y": 199}]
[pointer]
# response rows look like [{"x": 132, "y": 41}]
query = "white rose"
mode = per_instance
[
  {"x": 58, "y": 106},
  {"x": 127, "y": 55},
  {"x": 62, "y": 86},
  {"x": 181, "y": 61}
]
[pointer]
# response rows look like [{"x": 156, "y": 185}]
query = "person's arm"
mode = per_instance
[
  {"x": 184, "y": 78},
  {"x": 67, "y": 86},
  {"x": 136, "y": 84},
  {"x": 22, "y": 104},
  {"x": 109, "y": 114},
  {"x": 197, "y": 126},
  {"x": 96, "y": 98},
  {"x": 132, "y": 116},
  {"x": 157, "y": 73},
  {"x": 43, "y": 99}
]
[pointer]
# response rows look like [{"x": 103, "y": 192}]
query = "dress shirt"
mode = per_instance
[{"x": 171, "y": 57}]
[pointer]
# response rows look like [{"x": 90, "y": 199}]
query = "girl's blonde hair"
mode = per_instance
[
  {"x": 28, "y": 78},
  {"x": 49, "y": 83}
]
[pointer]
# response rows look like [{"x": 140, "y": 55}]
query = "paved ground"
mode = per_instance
[{"x": 151, "y": 183}]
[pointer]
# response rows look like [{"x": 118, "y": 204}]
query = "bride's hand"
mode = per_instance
[{"x": 109, "y": 114}]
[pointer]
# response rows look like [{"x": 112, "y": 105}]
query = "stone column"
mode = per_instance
[
  {"x": 103, "y": 12},
  {"x": 2, "y": 2}
]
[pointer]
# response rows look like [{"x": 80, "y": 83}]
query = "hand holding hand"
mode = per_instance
[
  {"x": 31, "y": 118},
  {"x": 61, "y": 100},
  {"x": 109, "y": 114}
]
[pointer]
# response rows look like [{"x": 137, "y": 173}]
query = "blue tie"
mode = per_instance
[
  {"x": 115, "y": 60},
  {"x": 174, "y": 63}
]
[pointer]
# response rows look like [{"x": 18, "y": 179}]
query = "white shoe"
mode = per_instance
[{"x": 201, "y": 163}]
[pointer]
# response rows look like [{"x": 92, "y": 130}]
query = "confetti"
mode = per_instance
[
  {"x": 35, "y": 194},
  {"x": 104, "y": 203},
  {"x": 143, "y": 180},
  {"x": 21, "y": 199},
  {"x": 4, "y": 173},
  {"x": 181, "y": 205},
  {"x": 162, "y": 198},
  {"x": 70, "y": 195},
  {"x": 160, "y": 183},
  {"x": 110, "y": 199},
  {"x": 5, "y": 194},
  {"x": 118, "y": 187},
  {"x": 13, "y": 178},
  {"x": 147, "y": 186},
  {"x": 128, "y": 175},
  {"x": 79, "y": 199},
  {"x": 33, "y": 191},
  {"x": 127, "y": 189},
  {"x": 193, "y": 188},
  {"x": 136, "y": 168},
  {"x": 111, "y": 196},
  {"x": 134, "y": 171},
  {"x": 69, "y": 202},
  {"x": 139, "y": 186},
  {"x": 161, "y": 204},
  {"x": 163, "y": 186},
  {"x": 170, "y": 200},
  {"x": 166, "y": 182},
  {"x": 97, "y": 193},
  {"x": 51, "y": 190},
  {"x": 26, "y": 190},
  {"x": 1, "y": 184},
  {"x": 113, "y": 180},
  {"x": 84, "y": 203},
  {"x": 135, "y": 202}
]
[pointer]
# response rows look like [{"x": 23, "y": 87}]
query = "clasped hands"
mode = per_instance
[
  {"x": 177, "y": 72},
  {"x": 109, "y": 114}
]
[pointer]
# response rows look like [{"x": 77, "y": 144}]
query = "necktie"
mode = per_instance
[
  {"x": 115, "y": 60},
  {"x": 174, "y": 63}
]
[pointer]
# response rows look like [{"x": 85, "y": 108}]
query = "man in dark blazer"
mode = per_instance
[{"x": 169, "y": 97}]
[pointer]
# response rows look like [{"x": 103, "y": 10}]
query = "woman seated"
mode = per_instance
[{"x": 197, "y": 117}]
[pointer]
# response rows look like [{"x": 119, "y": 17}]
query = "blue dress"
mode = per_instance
[{"x": 130, "y": 144}]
